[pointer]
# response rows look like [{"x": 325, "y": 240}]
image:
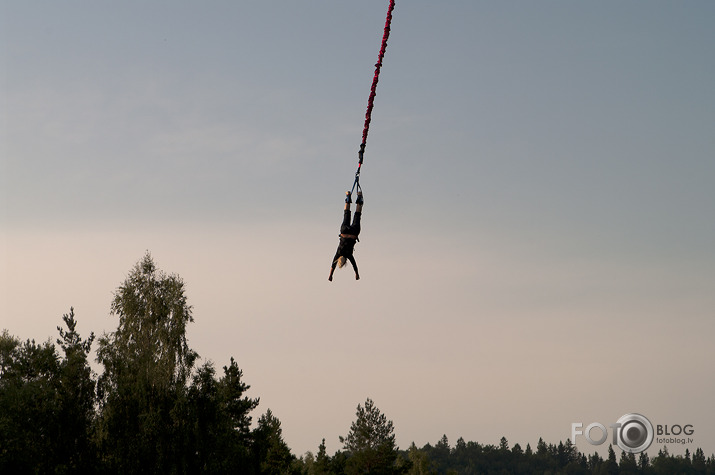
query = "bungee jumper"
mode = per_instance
[
  {"x": 349, "y": 232},
  {"x": 348, "y": 235}
]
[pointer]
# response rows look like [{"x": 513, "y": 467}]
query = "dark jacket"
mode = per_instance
[{"x": 348, "y": 237}]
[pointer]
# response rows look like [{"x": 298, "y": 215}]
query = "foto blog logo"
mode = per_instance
[{"x": 633, "y": 433}]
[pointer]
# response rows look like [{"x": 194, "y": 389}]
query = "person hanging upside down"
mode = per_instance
[{"x": 348, "y": 236}]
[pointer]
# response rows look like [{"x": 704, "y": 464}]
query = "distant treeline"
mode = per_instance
[{"x": 154, "y": 409}]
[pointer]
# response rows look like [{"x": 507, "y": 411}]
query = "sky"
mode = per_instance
[{"x": 537, "y": 245}]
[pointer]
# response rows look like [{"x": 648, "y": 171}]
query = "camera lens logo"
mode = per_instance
[{"x": 634, "y": 433}]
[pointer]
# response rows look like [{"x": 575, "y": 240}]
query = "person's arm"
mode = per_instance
[{"x": 352, "y": 261}]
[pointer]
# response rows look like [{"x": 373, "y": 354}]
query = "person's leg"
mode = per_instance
[
  {"x": 345, "y": 227},
  {"x": 356, "y": 223},
  {"x": 359, "y": 202},
  {"x": 358, "y": 213},
  {"x": 346, "y": 213}
]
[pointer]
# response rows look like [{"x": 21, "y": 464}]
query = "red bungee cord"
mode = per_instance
[{"x": 371, "y": 99}]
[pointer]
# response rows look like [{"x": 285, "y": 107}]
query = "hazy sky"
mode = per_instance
[{"x": 538, "y": 243}]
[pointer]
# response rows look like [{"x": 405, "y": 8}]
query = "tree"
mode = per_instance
[
  {"x": 370, "y": 442},
  {"x": 440, "y": 454},
  {"x": 420, "y": 463},
  {"x": 234, "y": 403},
  {"x": 699, "y": 462},
  {"x": 528, "y": 451},
  {"x": 151, "y": 336},
  {"x": 543, "y": 459},
  {"x": 627, "y": 464},
  {"x": 147, "y": 364},
  {"x": 271, "y": 451},
  {"x": 76, "y": 398},
  {"x": 611, "y": 464},
  {"x": 28, "y": 419},
  {"x": 595, "y": 462},
  {"x": 219, "y": 415},
  {"x": 517, "y": 450},
  {"x": 503, "y": 444},
  {"x": 567, "y": 453},
  {"x": 643, "y": 461},
  {"x": 46, "y": 404},
  {"x": 542, "y": 449},
  {"x": 157, "y": 413},
  {"x": 322, "y": 461}
]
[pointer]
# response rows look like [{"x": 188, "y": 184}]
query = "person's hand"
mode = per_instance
[
  {"x": 357, "y": 276},
  {"x": 330, "y": 277}
]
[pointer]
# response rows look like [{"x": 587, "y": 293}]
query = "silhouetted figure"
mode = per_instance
[{"x": 348, "y": 236}]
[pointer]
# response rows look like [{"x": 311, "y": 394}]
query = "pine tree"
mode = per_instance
[
  {"x": 643, "y": 461},
  {"x": 370, "y": 442},
  {"x": 542, "y": 449},
  {"x": 221, "y": 421},
  {"x": 76, "y": 399},
  {"x": 503, "y": 444},
  {"x": 611, "y": 463},
  {"x": 269, "y": 448},
  {"x": 699, "y": 460},
  {"x": 627, "y": 464},
  {"x": 29, "y": 376},
  {"x": 322, "y": 461}
]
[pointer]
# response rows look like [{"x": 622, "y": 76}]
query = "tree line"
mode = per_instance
[{"x": 154, "y": 409}]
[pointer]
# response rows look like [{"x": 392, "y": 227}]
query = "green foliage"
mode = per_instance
[
  {"x": 370, "y": 442},
  {"x": 627, "y": 464},
  {"x": 157, "y": 412},
  {"x": 47, "y": 404},
  {"x": 149, "y": 347},
  {"x": 322, "y": 461},
  {"x": 28, "y": 395},
  {"x": 147, "y": 363},
  {"x": 221, "y": 435},
  {"x": 153, "y": 410},
  {"x": 77, "y": 397},
  {"x": 272, "y": 453},
  {"x": 419, "y": 461}
]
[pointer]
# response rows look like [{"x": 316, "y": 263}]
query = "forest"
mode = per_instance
[{"x": 154, "y": 409}]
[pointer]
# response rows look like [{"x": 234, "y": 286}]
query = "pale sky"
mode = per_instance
[{"x": 538, "y": 242}]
